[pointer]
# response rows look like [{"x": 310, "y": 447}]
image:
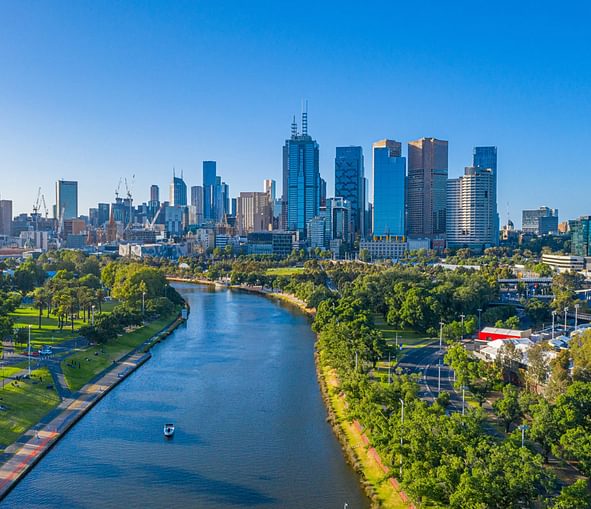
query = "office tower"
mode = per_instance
[
  {"x": 349, "y": 183},
  {"x": 234, "y": 205},
  {"x": 66, "y": 199},
  {"x": 225, "y": 199},
  {"x": 269, "y": 186},
  {"x": 322, "y": 192},
  {"x": 154, "y": 195},
  {"x": 338, "y": 219},
  {"x": 253, "y": 212},
  {"x": 581, "y": 236},
  {"x": 103, "y": 213},
  {"x": 5, "y": 217},
  {"x": 209, "y": 181},
  {"x": 196, "y": 212},
  {"x": 541, "y": 221},
  {"x": 486, "y": 157},
  {"x": 178, "y": 191},
  {"x": 301, "y": 179},
  {"x": 389, "y": 174},
  {"x": 471, "y": 209},
  {"x": 427, "y": 187}
]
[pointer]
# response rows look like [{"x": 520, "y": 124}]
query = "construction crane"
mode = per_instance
[
  {"x": 118, "y": 187},
  {"x": 45, "y": 209},
  {"x": 129, "y": 190},
  {"x": 37, "y": 202}
]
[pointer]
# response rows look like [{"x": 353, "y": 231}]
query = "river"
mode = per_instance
[{"x": 238, "y": 380}]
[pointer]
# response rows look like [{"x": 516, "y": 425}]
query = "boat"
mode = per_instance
[{"x": 168, "y": 430}]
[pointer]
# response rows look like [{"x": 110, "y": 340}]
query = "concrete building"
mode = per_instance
[
  {"x": 317, "y": 236},
  {"x": 562, "y": 263},
  {"x": 389, "y": 175},
  {"x": 66, "y": 199},
  {"x": 196, "y": 208},
  {"x": 253, "y": 212},
  {"x": 427, "y": 187},
  {"x": 542, "y": 221},
  {"x": 471, "y": 209},
  {"x": 349, "y": 184},
  {"x": 279, "y": 244},
  {"x": 5, "y": 217},
  {"x": 301, "y": 179}
]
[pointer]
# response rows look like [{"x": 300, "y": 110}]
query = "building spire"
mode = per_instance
[
  {"x": 305, "y": 117},
  {"x": 294, "y": 128}
]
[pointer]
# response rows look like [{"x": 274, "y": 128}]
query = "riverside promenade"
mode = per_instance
[{"x": 39, "y": 439}]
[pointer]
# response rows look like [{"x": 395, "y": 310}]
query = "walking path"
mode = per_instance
[{"x": 22, "y": 455}]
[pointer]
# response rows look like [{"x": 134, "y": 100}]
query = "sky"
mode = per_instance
[{"x": 98, "y": 91}]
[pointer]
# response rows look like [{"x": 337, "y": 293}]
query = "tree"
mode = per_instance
[
  {"x": 538, "y": 364},
  {"x": 537, "y": 311},
  {"x": 507, "y": 408},
  {"x": 40, "y": 301},
  {"x": 364, "y": 255},
  {"x": 544, "y": 428},
  {"x": 575, "y": 496}
]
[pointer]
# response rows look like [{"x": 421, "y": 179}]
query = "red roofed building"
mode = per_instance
[{"x": 491, "y": 333}]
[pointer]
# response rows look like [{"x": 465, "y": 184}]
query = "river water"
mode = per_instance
[{"x": 238, "y": 380}]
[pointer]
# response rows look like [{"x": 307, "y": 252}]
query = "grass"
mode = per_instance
[
  {"x": 407, "y": 338},
  {"x": 284, "y": 271},
  {"x": 26, "y": 403},
  {"x": 50, "y": 333},
  {"x": 388, "y": 497},
  {"x": 96, "y": 358}
]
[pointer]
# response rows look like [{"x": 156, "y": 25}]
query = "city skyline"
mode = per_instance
[{"x": 85, "y": 112}]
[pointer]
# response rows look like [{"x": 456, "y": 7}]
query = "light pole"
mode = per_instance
[
  {"x": 523, "y": 428},
  {"x": 401, "y": 433},
  {"x": 29, "y": 351},
  {"x": 479, "y": 312},
  {"x": 93, "y": 306},
  {"x": 576, "y": 315},
  {"x": 440, "y": 337},
  {"x": 389, "y": 369},
  {"x": 440, "y": 355},
  {"x": 462, "y": 317},
  {"x": 565, "y": 313},
  {"x": 553, "y": 318},
  {"x": 463, "y": 400},
  {"x": 143, "y": 304}
]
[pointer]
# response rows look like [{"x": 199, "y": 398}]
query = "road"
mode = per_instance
[{"x": 425, "y": 361}]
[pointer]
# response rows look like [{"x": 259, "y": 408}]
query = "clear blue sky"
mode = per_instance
[{"x": 92, "y": 91}]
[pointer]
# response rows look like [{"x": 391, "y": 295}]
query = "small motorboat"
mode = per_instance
[{"x": 168, "y": 430}]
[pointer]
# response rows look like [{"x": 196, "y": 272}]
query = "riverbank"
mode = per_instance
[{"x": 38, "y": 440}]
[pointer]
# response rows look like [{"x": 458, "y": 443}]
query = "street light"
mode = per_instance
[
  {"x": 565, "y": 313},
  {"x": 479, "y": 311},
  {"x": 93, "y": 306},
  {"x": 553, "y": 318},
  {"x": 576, "y": 315},
  {"x": 143, "y": 303},
  {"x": 30, "y": 351},
  {"x": 523, "y": 428},
  {"x": 463, "y": 399},
  {"x": 401, "y": 433},
  {"x": 462, "y": 317}
]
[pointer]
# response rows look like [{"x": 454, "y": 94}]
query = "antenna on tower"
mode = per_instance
[
  {"x": 294, "y": 128},
  {"x": 304, "y": 117}
]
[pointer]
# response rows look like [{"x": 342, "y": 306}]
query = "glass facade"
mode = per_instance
[
  {"x": 209, "y": 181},
  {"x": 66, "y": 199},
  {"x": 349, "y": 184},
  {"x": 389, "y": 175},
  {"x": 178, "y": 192},
  {"x": 580, "y": 230}
]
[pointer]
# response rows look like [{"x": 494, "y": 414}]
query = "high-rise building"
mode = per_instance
[
  {"x": 154, "y": 196},
  {"x": 338, "y": 219},
  {"x": 301, "y": 178},
  {"x": 542, "y": 221},
  {"x": 103, "y": 213},
  {"x": 581, "y": 236},
  {"x": 427, "y": 187},
  {"x": 66, "y": 199},
  {"x": 389, "y": 176},
  {"x": 209, "y": 183},
  {"x": 350, "y": 184},
  {"x": 253, "y": 212},
  {"x": 196, "y": 210},
  {"x": 269, "y": 187},
  {"x": 322, "y": 192},
  {"x": 486, "y": 158},
  {"x": 5, "y": 217},
  {"x": 178, "y": 192},
  {"x": 471, "y": 209}
]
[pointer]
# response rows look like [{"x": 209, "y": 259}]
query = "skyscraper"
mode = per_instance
[
  {"x": 540, "y": 221},
  {"x": 253, "y": 212},
  {"x": 427, "y": 187},
  {"x": 5, "y": 217},
  {"x": 301, "y": 178},
  {"x": 349, "y": 184},
  {"x": 486, "y": 157},
  {"x": 196, "y": 211},
  {"x": 103, "y": 213},
  {"x": 154, "y": 196},
  {"x": 178, "y": 192},
  {"x": 209, "y": 181},
  {"x": 66, "y": 199},
  {"x": 471, "y": 209},
  {"x": 581, "y": 236},
  {"x": 389, "y": 174}
]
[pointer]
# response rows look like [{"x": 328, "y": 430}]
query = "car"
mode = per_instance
[{"x": 45, "y": 350}]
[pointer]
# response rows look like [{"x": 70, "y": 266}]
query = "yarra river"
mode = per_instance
[{"x": 239, "y": 382}]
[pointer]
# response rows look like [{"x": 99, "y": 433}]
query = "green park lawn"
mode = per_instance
[
  {"x": 408, "y": 338},
  {"x": 50, "y": 333},
  {"x": 24, "y": 404},
  {"x": 284, "y": 271},
  {"x": 96, "y": 358}
]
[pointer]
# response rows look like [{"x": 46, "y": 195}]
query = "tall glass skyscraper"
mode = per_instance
[
  {"x": 178, "y": 192},
  {"x": 66, "y": 199},
  {"x": 486, "y": 158},
  {"x": 209, "y": 182},
  {"x": 389, "y": 175},
  {"x": 348, "y": 176},
  {"x": 301, "y": 178}
]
